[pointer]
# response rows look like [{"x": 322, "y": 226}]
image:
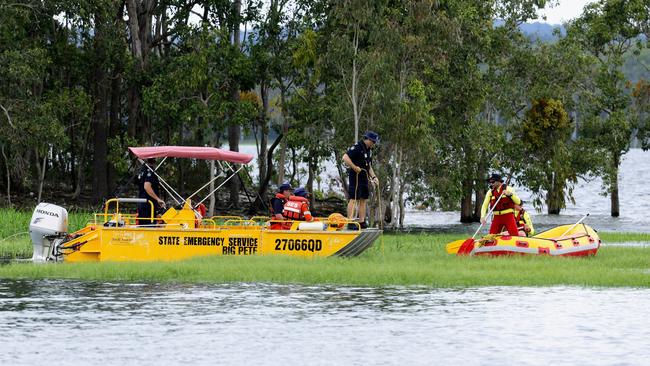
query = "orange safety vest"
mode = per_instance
[
  {"x": 297, "y": 208},
  {"x": 505, "y": 202}
]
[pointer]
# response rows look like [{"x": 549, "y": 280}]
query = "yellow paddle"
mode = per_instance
[{"x": 452, "y": 248}]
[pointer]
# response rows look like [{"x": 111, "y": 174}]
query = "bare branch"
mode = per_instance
[
  {"x": 8, "y": 116},
  {"x": 30, "y": 6}
]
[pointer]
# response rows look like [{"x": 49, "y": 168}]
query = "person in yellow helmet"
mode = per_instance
[{"x": 524, "y": 223}]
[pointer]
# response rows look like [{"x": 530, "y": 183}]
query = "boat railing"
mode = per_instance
[
  {"x": 242, "y": 223},
  {"x": 329, "y": 224},
  {"x": 116, "y": 218},
  {"x": 221, "y": 220}
]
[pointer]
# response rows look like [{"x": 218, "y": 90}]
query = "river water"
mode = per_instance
[
  {"x": 89, "y": 323},
  {"x": 634, "y": 190}
]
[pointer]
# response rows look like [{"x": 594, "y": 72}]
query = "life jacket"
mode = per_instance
[
  {"x": 199, "y": 212},
  {"x": 504, "y": 203},
  {"x": 297, "y": 208},
  {"x": 278, "y": 197},
  {"x": 520, "y": 218}
]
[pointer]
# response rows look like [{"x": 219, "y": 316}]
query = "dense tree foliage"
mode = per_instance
[{"x": 454, "y": 88}]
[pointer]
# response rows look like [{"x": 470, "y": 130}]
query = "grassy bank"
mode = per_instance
[
  {"x": 398, "y": 259},
  {"x": 404, "y": 260}
]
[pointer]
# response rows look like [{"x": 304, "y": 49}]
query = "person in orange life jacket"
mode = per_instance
[
  {"x": 281, "y": 197},
  {"x": 277, "y": 205},
  {"x": 359, "y": 160},
  {"x": 297, "y": 208},
  {"x": 503, "y": 211}
]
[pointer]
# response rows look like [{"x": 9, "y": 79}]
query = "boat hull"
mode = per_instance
[{"x": 153, "y": 244}]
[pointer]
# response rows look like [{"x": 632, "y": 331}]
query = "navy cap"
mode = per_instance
[
  {"x": 494, "y": 177},
  {"x": 372, "y": 136},
  {"x": 285, "y": 187},
  {"x": 301, "y": 192}
]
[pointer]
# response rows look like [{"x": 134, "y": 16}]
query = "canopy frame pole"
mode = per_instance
[
  {"x": 242, "y": 183},
  {"x": 161, "y": 163},
  {"x": 205, "y": 185},
  {"x": 164, "y": 184},
  {"x": 221, "y": 185}
]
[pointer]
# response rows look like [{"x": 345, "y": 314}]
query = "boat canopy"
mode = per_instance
[{"x": 192, "y": 152}]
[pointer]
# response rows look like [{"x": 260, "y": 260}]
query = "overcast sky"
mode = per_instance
[{"x": 566, "y": 10}]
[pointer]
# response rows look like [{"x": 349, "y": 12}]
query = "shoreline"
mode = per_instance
[{"x": 394, "y": 260}]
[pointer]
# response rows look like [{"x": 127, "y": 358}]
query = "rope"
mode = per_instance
[
  {"x": 11, "y": 236},
  {"x": 380, "y": 207},
  {"x": 355, "y": 212},
  {"x": 381, "y": 219}
]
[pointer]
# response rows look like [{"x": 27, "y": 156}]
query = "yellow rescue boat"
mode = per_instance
[
  {"x": 566, "y": 240},
  {"x": 115, "y": 234}
]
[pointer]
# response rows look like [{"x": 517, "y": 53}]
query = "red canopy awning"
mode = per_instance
[{"x": 192, "y": 152}]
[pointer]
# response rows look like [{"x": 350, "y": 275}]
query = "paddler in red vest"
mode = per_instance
[
  {"x": 503, "y": 209},
  {"x": 297, "y": 208}
]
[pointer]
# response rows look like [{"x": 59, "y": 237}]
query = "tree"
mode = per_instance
[
  {"x": 528, "y": 74},
  {"x": 607, "y": 30},
  {"x": 544, "y": 140}
]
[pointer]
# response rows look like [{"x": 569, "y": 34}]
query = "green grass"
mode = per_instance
[
  {"x": 404, "y": 260},
  {"x": 609, "y": 237},
  {"x": 14, "y": 231},
  {"x": 399, "y": 259}
]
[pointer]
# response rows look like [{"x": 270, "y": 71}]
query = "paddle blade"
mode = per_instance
[
  {"x": 452, "y": 248},
  {"x": 466, "y": 247}
]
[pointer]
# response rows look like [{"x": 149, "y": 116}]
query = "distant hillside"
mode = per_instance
[{"x": 541, "y": 31}]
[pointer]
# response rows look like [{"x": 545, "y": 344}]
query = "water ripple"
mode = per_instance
[{"x": 69, "y": 322}]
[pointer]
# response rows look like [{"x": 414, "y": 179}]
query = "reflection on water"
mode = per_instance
[{"x": 68, "y": 322}]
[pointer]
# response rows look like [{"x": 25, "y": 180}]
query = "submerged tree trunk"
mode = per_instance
[
  {"x": 466, "y": 208},
  {"x": 479, "y": 190},
  {"x": 396, "y": 188},
  {"x": 311, "y": 171},
  {"x": 41, "y": 173},
  {"x": 479, "y": 196},
  {"x": 616, "y": 161},
  {"x": 81, "y": 161},
  {"x": 101, "y": 112},
  {"x": 264, "y": 138},
  {"x": 234, "y": 130},
  {"x": 116, "y": 82},
  {"x": 554, "y": 199},
  {"x": 338, "y": 162},
  {"x": 4, "y": 155},
  {"x": 258, "y": 204},
  {"x": 393, "y": 193},
  {"x": 233, "y": 144},
  {"x": 283, "y": 146},
  {"x": 213, "y": 202},
  {"x": 402, "y": 212}
]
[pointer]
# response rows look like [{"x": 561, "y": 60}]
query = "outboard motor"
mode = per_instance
[{"x": 49, "y": 223}]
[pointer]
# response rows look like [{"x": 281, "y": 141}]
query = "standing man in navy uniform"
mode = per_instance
[
  {"x": 149, "y": 188},
  {"x": 358, "y": 158}
]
